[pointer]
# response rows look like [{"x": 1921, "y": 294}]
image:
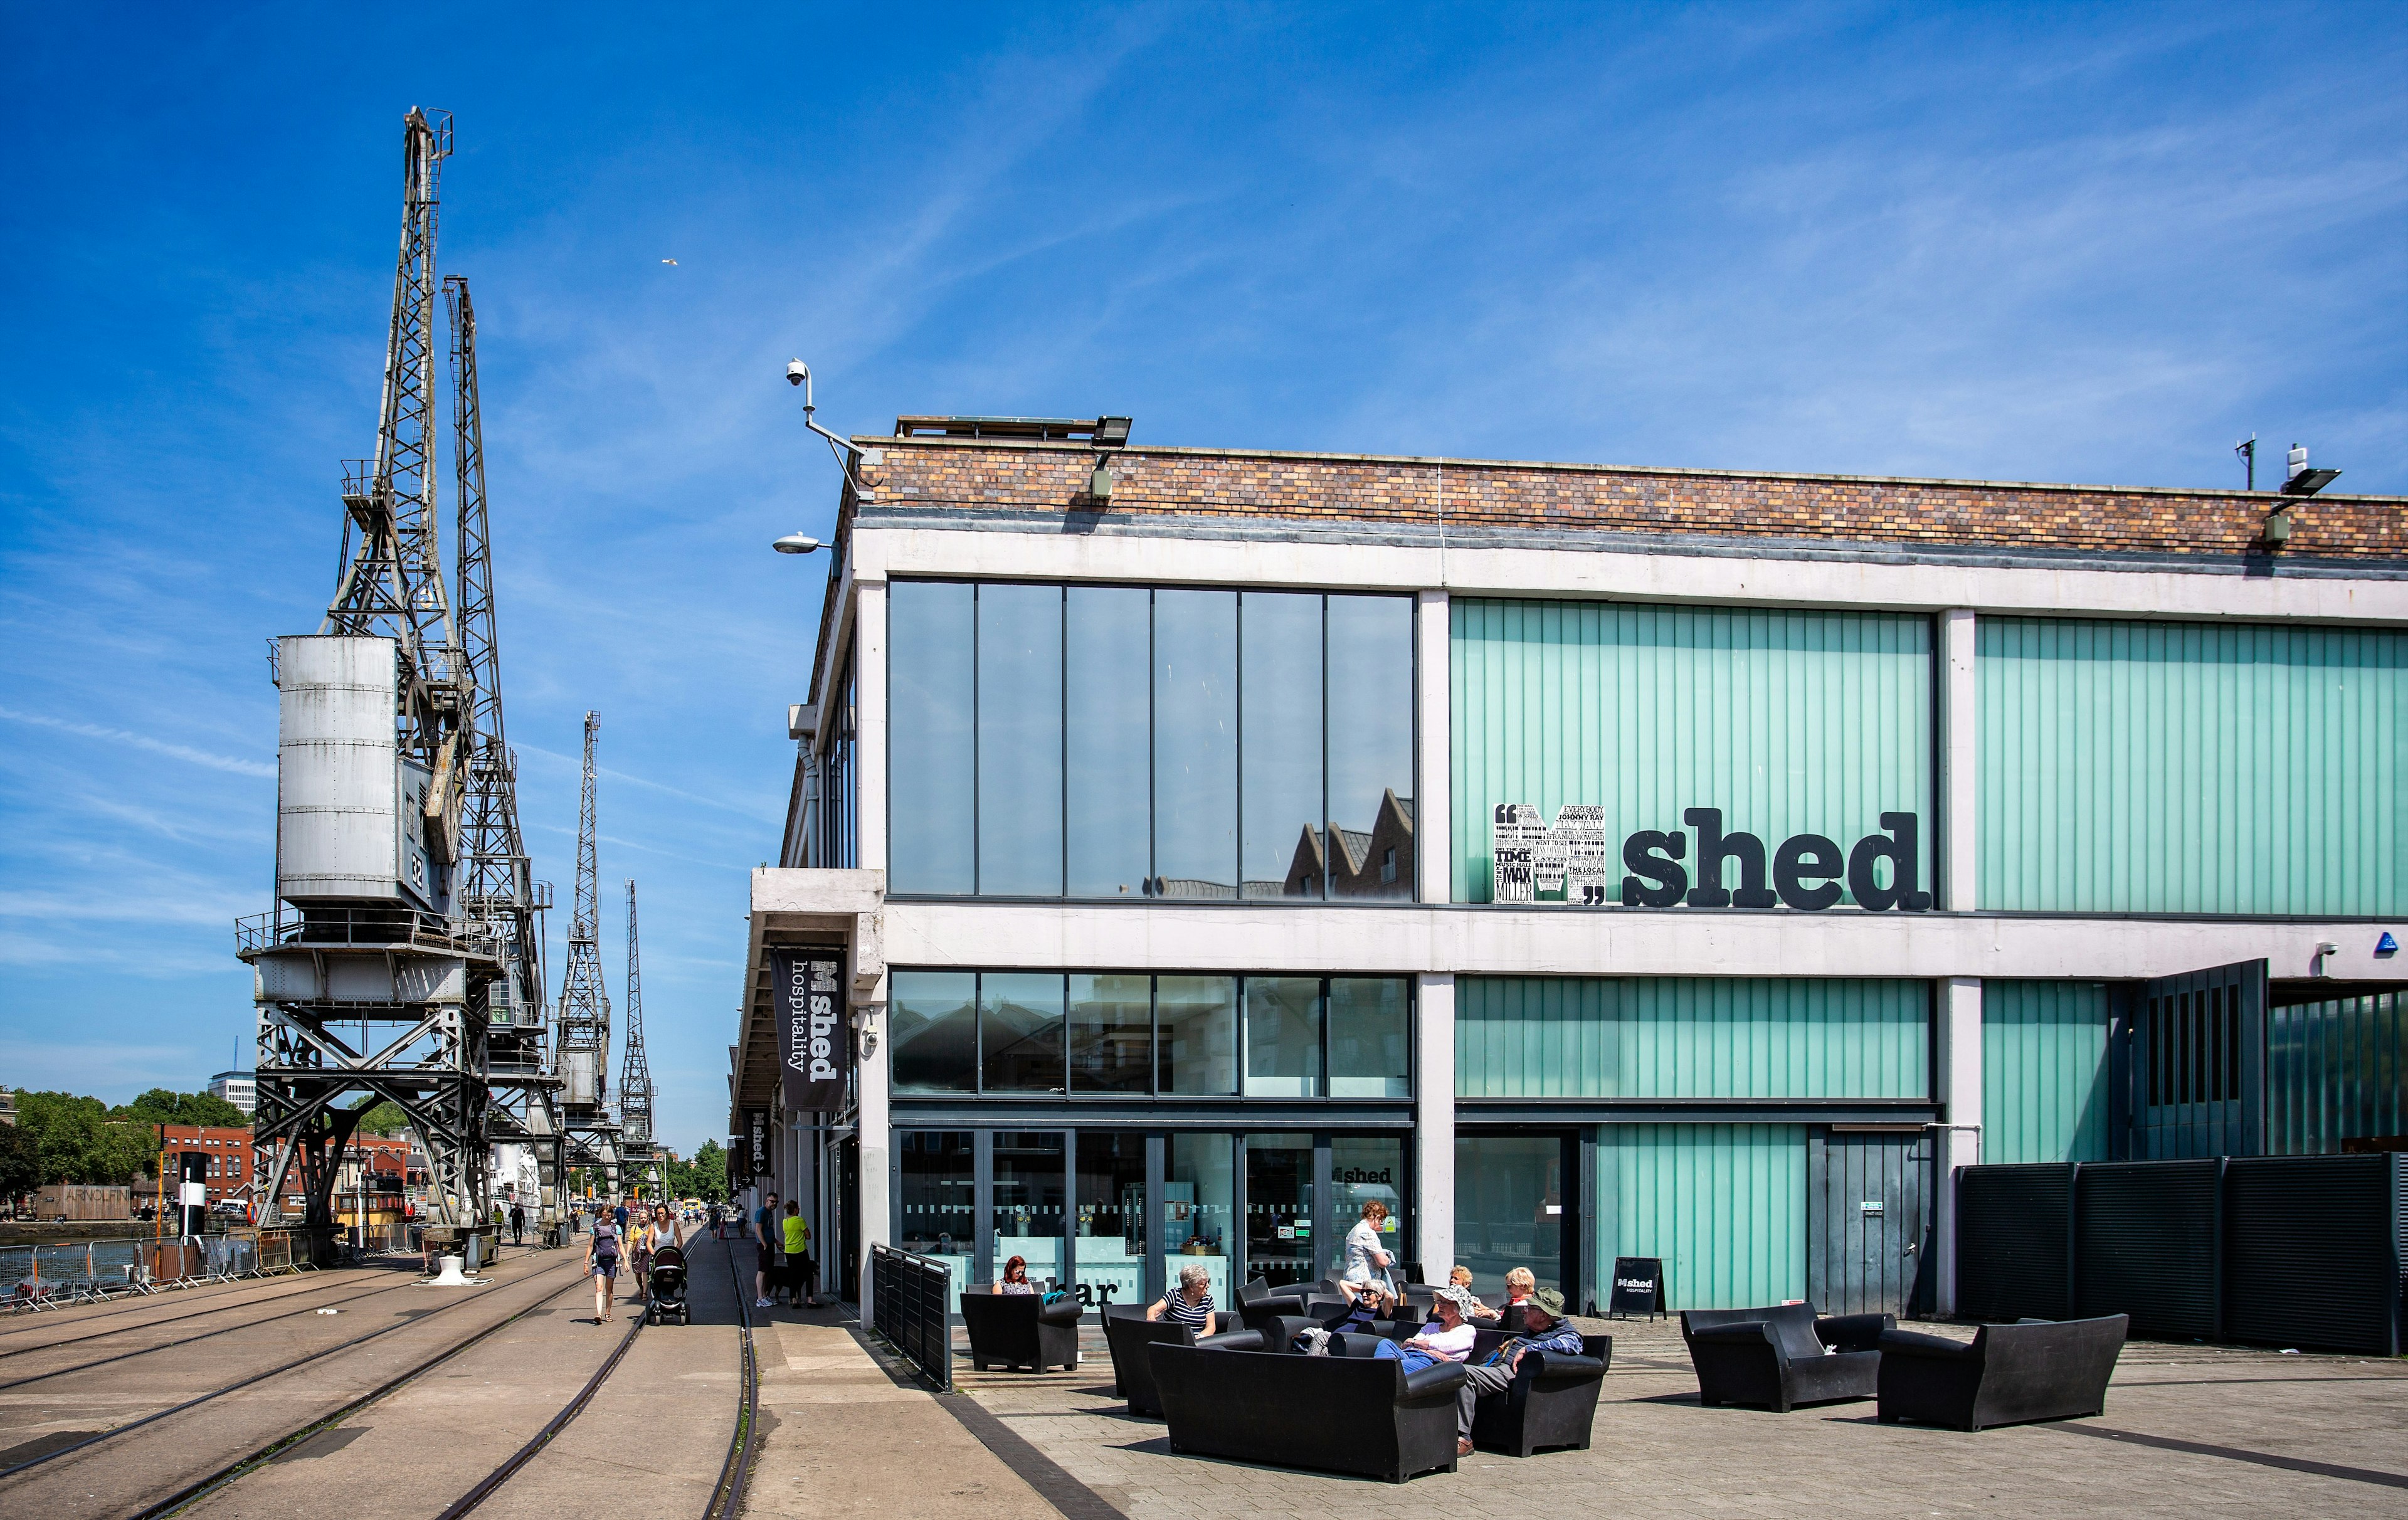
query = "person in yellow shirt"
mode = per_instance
[{"x": 800, "y": 1269}]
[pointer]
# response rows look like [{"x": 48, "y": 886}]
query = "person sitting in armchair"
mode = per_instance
[
  {"x": 1543, "y": 1329},
  {"x": 1461, "y": 1277}
]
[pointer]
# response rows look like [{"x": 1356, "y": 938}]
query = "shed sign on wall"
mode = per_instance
[
  {"x": 1570, "y": 861},
  {"x": 810, "y": 1009}
]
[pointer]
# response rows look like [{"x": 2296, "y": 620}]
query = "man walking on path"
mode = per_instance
[
  {"x": 767, "y": 1227},
  {"x": 518, "y": 1220}
]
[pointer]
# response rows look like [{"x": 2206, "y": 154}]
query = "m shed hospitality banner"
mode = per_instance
[{"x": 810, "y": 1006}]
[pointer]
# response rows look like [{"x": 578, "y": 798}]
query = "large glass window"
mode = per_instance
[
  {"x": 932, "y": 761},
  {"x": 1196, "y": 1023},
  {"x": 1019, "y": 741},
  {"x": 1509, "y": 1209},
  {"x": 1370, "y": 1038},
  {"x": 1197, "y": 1194},
  {"x": 1196, "y": 743},
  {"x": 1029, "y": 1178},
  {"x": 1020, "y": 1031},
  {"x": 1110, "y": 1233},
  {"x": 1106, "y": 660},
  {"x": 1114, "y": 742},
  {"x": 1111, "y": 1034},
  {"x": 1100, "y": 1033},
  {"x": 1279, "y": 1208},
  {"x": 935, "y": 1200},
  {"x": 1371, "y": 685},
  {"x": 1282, "y": 1037},
  {"x": 1279, "y": 776},
  {"x": 932, "y": 1021}
]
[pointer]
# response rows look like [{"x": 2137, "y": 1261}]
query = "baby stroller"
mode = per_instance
[{"x": 665, "y": 1291}]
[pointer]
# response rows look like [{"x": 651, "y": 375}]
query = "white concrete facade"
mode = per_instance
[{"x": 1436, "y": 941}]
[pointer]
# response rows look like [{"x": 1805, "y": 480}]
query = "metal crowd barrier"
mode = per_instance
[
  {"x": 912, "y": 1299},
  {"x": 40, "y": 1277}
]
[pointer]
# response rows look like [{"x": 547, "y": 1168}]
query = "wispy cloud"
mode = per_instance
[{"x": 185, "y": 752}]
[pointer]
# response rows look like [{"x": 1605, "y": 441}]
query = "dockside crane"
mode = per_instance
[
  {"x": 642, "y": 1150},
  {"x": 497, "y": 886},
  {"x": 582, "y": 1022},
  {"x": 373, "y": 982}
]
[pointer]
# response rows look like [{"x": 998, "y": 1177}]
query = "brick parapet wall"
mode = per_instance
[{"x": 974, "y": 475}]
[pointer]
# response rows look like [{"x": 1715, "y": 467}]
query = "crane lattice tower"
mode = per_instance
[
  {"x": 583, "y": 1021},
  {"x": 372, "y": 984},
  {"x": 498, "y": 889},
  {"x": 635, "y": 1073}
]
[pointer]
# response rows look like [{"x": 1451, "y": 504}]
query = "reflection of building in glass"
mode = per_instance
[{"x": 1377, "y": 863}]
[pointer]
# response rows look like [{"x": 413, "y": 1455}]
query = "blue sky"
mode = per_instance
[{"x": 2087, "y": 243}]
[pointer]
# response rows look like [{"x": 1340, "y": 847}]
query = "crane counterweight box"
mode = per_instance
[{"x": 351, "y": 805}]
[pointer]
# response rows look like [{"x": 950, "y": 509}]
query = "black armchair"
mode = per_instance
[
  {"x": 1777, "y": 1357},
  {"x": 1550, "y": 1404},
  {"x": 1021, "y": 1329},
  {"x": 1345, "y": 1413},
  {"x": 2036, "y": 1369},
  {"x": 1128, "y": 1332}
]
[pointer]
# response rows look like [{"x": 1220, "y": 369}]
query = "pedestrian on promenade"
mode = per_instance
[
  {"x": 798, "y": 1244},
  {"x": 518, "y": 1222},
  {"x": 602, "y": 1262},
  {"x": 766, "y": 1230}
]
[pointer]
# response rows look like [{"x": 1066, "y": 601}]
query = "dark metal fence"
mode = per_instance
[
  {"x": 912, "y": 1299},
  {"x": 2292, "y": 1251}
]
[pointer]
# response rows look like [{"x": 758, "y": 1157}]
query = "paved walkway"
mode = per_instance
[
  {"x": 841, "y": 1437},
  {"x": 2189, "y": 1431}
]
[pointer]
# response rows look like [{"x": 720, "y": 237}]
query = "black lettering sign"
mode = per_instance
[
  {"x": 1806, "y": 872},
  {"x": 1637, "y": 1286},
  {"x": 815, "y": 1043},
  {"x": 1714, "y": 848},
  {"x": 1650, "y": 857}
]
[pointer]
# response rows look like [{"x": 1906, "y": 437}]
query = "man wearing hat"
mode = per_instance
[{"x": 1543, "y": 1329}]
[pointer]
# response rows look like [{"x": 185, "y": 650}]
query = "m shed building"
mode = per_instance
[{"x": 1190, "y": 846}]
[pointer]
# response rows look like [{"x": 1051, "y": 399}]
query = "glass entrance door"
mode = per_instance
[
  {"x": 1508, "y": 1209},
  {"x": 1279, "y": 1208}
]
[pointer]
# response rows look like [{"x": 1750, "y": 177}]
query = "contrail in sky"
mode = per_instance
[{"x": 143, "y": 741}]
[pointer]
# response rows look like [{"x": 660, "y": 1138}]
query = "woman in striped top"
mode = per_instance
[{"x": 1191, "y": 1303}]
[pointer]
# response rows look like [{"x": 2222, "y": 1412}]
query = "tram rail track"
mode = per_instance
[
  {"x": 340, "y": 1301},
  {"x": 118, "y": 1432},
  {"x": 727, "y": 1490},
  {"x": 70, "y": 1317}
]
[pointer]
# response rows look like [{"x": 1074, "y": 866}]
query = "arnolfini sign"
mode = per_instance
[
  {"x": 1572, "y": 861},
  {"x": 810, "y": 1009}
]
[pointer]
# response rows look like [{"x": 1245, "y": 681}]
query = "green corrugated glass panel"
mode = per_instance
[
  {"x": 1691, "y": 1037},
  {"x": 1789, "y": 722},
  {"x": 2043, "y": 1071},
  {"x": 1723, "y": 1204},
  {"x": 2336, "y": 1071},
  {"x": 2173, "y": 767}
]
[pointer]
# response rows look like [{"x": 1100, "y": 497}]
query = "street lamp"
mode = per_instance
[{"x": 795, "y": 543}]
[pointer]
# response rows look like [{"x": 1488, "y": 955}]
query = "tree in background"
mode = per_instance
[
  {"x": 384, "y": 1119},
  {"x": 20, "y": 1163},
  {"x": 705, "y": 1177},
  {"x": 80, "y": 1139},
  {"x": 161, "y": 1107}
]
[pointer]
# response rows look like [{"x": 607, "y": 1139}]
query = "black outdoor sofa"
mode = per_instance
[
  {"x": 1348, "y": 1411},
  {"x": 2033, "y": 1370},
  {"x": 1021, "y": 1329},
  {"x": 1776, "y": 1356},
  {"x": 1551, "y": 1403},
  {"x": 1128, "y": 1332}
]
